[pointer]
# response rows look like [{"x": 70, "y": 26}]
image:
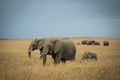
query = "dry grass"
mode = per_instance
[{"x": 15, "y": 64}]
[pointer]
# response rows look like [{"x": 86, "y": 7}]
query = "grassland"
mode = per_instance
[{"x": 15, "y": 64}]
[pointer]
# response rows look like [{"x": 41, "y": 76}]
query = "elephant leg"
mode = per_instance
[
  {"x": 53, "y": 56},
  {"x": 58, "y": 58},
  {"x": 63, "y": 60}
]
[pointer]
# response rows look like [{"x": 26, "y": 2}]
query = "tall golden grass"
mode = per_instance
[{"x": 15, "y": 64}]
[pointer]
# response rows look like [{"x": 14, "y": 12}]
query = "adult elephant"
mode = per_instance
[
  {"x": 59, "y": 49},
  {"x": 83, "y": 42},
  {"x": 106, "y": 43},
  {"x": 96, "y": 43},
  {"x": 89, "y": 42}
]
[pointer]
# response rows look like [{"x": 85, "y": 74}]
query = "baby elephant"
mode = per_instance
[{"x": 89, "y": 55}]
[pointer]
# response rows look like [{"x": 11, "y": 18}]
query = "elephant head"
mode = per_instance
[
  {"x": 51, "y": 47},
  {"x": 35, "y": 44},
  {"x": 45, "y": 49}
]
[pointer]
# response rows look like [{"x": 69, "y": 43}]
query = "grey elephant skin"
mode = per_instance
[
  {"x": 84, "y": 42},
  {"x": 106, "y": 43},
  {"x": 90, "y": 42},
  {"x": 59, "y": 49},
  {"x": 89, "y": 55},
  {"x": 96, "y": 43}
]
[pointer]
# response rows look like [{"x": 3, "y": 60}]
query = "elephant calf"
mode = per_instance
[{"x": 89, "y": 55}]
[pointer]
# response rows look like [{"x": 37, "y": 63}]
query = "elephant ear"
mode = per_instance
[{"x": 58, "y": 46}]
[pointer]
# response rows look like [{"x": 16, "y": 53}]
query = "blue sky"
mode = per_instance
[{"x": 59, "y": 18}]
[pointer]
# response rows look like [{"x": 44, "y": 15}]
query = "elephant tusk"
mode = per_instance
[{"x": 43, "y": 54}]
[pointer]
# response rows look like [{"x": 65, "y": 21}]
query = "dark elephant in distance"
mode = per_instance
[
  {"x": 89, "y": 55},
  {"x": 84, "y": 42},
  {"x": 96, "y": 43},
  {"x": 60, "y": 50},
  {"x": 106, "y": 43},
  {"x": 89, "y": 42}
]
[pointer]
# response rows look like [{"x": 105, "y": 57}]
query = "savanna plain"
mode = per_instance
[{"x": 15, "y": 64}]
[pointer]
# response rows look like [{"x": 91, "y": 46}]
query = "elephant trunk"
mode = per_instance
[
  {"x": 43, "y": 55},
  {"x": 44, "y": 59},
  {"x": 29, "y": 53}
]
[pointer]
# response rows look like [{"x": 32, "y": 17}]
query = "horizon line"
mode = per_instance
[{"x": 61, "y": 37}]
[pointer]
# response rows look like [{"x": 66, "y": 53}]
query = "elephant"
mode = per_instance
[
  {"x": 84, "y": 42},
  {"x": 59, "y": 49},
  {"x": 88, "y": 42},
  {"x": 106, "y": 43},
  {"x": 89, "y": 55},
  {"x": 96, "y": 43},
  {"x": 93, "y": 41}
]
